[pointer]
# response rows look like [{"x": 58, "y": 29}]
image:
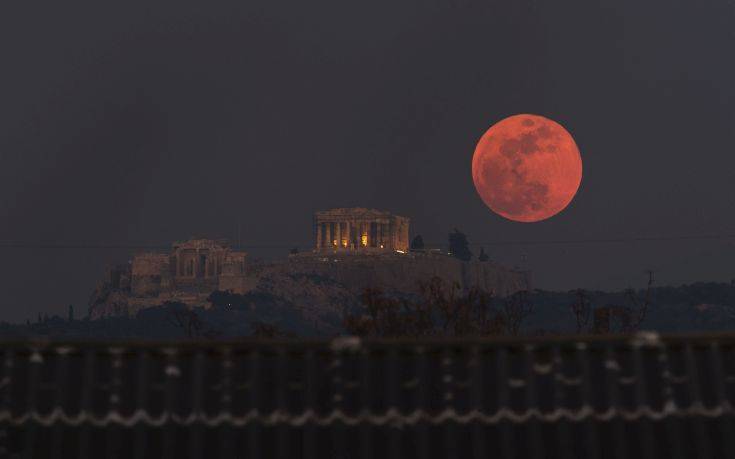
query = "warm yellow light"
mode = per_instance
[
  {"x": 381, "y": 246},
  {"x": 363, "y": 240},
  {"x": 334, "y": 242},
  {"x": 344, "y": 242}
]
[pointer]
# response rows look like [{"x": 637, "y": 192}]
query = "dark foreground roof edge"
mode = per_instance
[{"x": 643, "y": 338}]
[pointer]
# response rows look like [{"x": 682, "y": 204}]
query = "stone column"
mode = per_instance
[
  {"x": 357, "y": 235},
  {"x": 338, "y": 236},
  {"x": 391, "y": 234},
  {"x": 318, "y": 235},
  {"x": 328, "y": 229}
]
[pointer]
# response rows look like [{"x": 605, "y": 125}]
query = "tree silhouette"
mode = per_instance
[
  {"x": 624, "y": 318},
  {"x": 517, "y": 308},
  {"x": 458, "y": 245},
  {"x": 226, "y": 299},
  {"x": 440, "y": 310},
  {"x": 417, "y": 243},
  {"x": 581, "y": 309},
  {"x": 482, "y": 256},
  {"x": 181, "y": 316},
  {"x": 266, "y": 330},
  {"x": 71, "y": 313}
]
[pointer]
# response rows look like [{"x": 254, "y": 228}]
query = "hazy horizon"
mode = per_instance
[{"x": 138, "y": 122}]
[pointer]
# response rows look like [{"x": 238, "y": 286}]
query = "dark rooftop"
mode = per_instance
[{"x": 641, "y": 396}]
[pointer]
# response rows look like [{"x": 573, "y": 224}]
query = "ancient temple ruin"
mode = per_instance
[
  {"x": 360, "y": 230},
  {"x": 195, "y": 265},
  {"x": 189, "y": 273}
]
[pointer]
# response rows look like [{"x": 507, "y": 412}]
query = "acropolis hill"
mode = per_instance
[{"x": 354, "y": 248}]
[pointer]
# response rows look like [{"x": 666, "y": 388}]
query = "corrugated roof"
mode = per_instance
[{"x": 638, "y": 396}]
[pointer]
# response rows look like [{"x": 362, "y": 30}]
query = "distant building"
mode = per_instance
[
  {"x": 189, "y": 273},
  {"x": 195, "y": 265},
  {"x": 360, "y": 230}
]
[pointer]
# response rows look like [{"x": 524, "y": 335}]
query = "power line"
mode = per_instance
[
  {"x": 611, "y": 240},
  {"x": 159, "y": 246},
  {"x": 52, "y": 245}
]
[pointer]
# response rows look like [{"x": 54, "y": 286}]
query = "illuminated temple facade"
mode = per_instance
[{"x": 360, "y": 230}]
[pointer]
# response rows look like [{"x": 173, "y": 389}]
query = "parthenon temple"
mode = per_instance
[{"x": 359, "y": 229}]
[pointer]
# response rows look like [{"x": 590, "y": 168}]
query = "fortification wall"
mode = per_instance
[
  {"x": 404, "y": 272},
  {"x": 240, "y": 284},
  {"x": 147, "y": 269}
]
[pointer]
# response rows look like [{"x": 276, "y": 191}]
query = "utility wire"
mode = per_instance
[
  {"x": 611, "y": 240},
  {"x": 36, "y": 245},
  {"x": 155, "y": 246}
]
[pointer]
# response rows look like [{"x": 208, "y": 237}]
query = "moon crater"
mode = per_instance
[{"x": 527, "y": 168}]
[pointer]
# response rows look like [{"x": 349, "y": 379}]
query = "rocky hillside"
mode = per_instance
[{"x": 320, "y": 287}]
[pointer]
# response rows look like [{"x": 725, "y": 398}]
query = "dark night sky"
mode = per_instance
[{"x": 151, "y": 122}]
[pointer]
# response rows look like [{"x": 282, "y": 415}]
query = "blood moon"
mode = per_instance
[{"x": 527, "y": 168}]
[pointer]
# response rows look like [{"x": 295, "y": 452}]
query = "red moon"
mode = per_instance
[{"x": 527, "y": 168}]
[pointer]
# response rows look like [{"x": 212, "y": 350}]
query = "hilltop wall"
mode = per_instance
[
  {"x": 148, "y": 269},
  {"x": 403, "y": 272},
  {"x": 314, "y": 283}
]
